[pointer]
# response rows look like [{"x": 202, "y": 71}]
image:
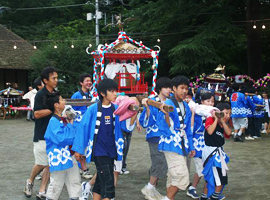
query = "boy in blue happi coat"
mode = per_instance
[
  {"x": 239, "y": 112},
  {"x": 100, "y": 136},
  {"x": 83, "y": 93},
  {"x": 258, "y": 114},
  {"x": 213, "y": 155},
  {"x": 250, "y": 109},
  {"x": 176, "y": 138},
  {"x": 127, "y": 127},
  {"x": 198, "y": 128},
  {"x": 63, "y": 166},
  {"x": 148, "y": 120}
]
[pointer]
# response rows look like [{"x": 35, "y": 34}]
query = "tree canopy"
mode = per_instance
[{"x": 195, "y": 36}]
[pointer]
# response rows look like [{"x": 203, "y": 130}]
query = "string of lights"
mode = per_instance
[
  {"x": 52, "y": 7},
  {"x": 112, "y": 36}
]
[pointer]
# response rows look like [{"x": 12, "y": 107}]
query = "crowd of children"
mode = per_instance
[
  {"x": 249, "y": 111},
  {"x": 193, "y": 130}
]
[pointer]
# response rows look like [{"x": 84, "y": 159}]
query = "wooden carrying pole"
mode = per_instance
[
  {"x": 87, "y": 102},
  {"x": 156, "y": 104}
]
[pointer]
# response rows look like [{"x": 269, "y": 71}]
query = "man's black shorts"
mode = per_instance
[{"x": 104, "y": 185}]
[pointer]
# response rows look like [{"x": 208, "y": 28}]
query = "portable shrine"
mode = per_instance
[{"x": 120, "y": 61}]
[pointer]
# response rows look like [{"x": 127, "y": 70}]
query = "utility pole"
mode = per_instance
[
  {"x": 97, "y": 16},
  {"x": 97, "y": 24}
]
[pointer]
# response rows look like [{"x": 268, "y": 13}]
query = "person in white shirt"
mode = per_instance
[{"x": 267, "y": 113}]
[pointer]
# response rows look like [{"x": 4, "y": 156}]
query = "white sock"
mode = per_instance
[
  {"x": 166, "y": 198},
  {"x": 191, "y": 187},
  {"x": 88, "y": 186},
  {"x": 239, "y": 133},
  {"x": 150, "y": 186},
  {"x": 41, "y": 192}
]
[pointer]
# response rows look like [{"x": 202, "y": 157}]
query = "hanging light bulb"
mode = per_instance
[
  {"x": 158, "y": 40},
  {"x": 55, "y": 46},
  {"x": 72, "y": 46},
  {"x": 90, "y": 45},
  {"x": 254, "y": 25},
  {"x": 35, "y": 47},
  {"x": 263, "y": 26},
  {"x": 15, "y": 47}
]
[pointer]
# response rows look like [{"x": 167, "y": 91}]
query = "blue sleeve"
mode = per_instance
[
  {"x": 126, "y": 127},
  {"x": 250, "y": 104},
  {"x": 150, "y": 121},
  {"x": 162, "y": 124},
  {"x": 188, "y": 127},
  {"x": 244, "y": 100},
  {"x": 76, "y": 95},
  {"x": 197, "y": 123},
  {"x": 84, "y": 130},
  {"x": 60, "y": 134},
  {"x": 118, "y": 137}
]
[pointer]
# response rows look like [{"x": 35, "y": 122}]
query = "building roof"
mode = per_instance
[{"x": 11, "y": 58}]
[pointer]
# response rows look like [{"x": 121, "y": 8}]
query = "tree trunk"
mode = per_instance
[{"x": 254, "y": 46}]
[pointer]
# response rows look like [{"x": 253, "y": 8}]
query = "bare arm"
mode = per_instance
[
  {"x": 226, "y": 128},
  {"x": 133, "y": 118},
  {"x": 167, "y": 119},
  {"x": 211, "y": 129},
  {"x": 192, "y": 117},
  {"x": 42, "y": 113},
  {"x": 144, "y": 103}
]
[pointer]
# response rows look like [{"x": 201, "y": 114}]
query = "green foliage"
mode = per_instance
[
  {"x": 195, "y": 35},
  {"x": 69, "y": 62}
]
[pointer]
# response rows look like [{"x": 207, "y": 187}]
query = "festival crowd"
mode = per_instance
[{"x": 180, "y": 125}]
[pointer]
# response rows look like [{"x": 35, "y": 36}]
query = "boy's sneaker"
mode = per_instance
[
  {"x": 38, "y": 177},
  {"x": 255, "y": 137},
  {"x": 86, "y": 174},
  {"x": 41, "y": 196},
  {"x": 28, "y": 189},
  {"x": 221, "y": 197},
  {"x": 124, "y": 171},
  {"x": 192, "y": 193},
  {"x": 249, "y": 138},
  {"x": 86, "y": 191},
  {"x": 264, "y": 131},
  {"x": 157, "y": 194},
  {"x": 81, "y": 171},
  {"x": 148, "y": 193}
]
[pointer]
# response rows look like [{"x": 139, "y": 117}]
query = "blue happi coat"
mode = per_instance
[
  {"x": 150, "y": 124},
  {"x": 208, "y": 171},
  {"x": 84, "y": 139},
  {"x": 250, "y": 106},
  {"x": 78, "y": 95},
  {"x": 258, "y": 100},
  {"x": 126, "y": 127},
  {"x": 198, "y": 135},
  {"x": 58, "y": 137},
  {"x": 238, "y": 104},
  {"x": 170, "y": 139}
]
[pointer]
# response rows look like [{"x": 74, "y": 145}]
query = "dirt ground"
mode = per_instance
[{"x": 249, "y": 169}]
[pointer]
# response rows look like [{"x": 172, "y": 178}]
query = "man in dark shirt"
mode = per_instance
[{"x": 42, "y": 116}]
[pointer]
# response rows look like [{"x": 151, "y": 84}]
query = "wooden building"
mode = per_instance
[{"x": 14, "y": 63}]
